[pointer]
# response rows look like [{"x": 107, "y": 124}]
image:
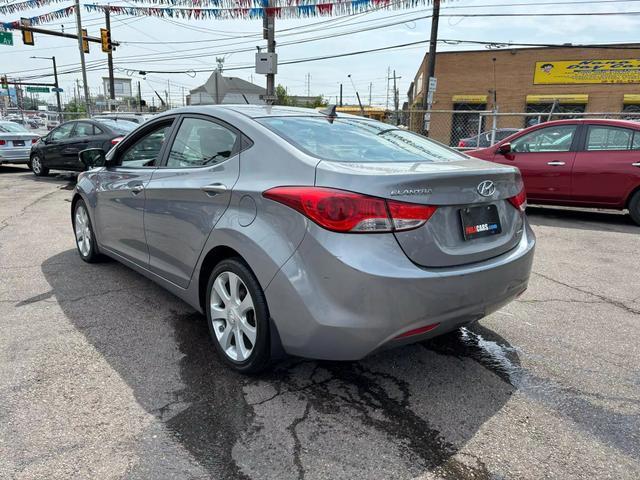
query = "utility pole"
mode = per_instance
[
  {"x": 168, "y": 95},
  {"x": 308, "y": 82},
  {"x": 55, "y": 80},
  {"x": 112, "y": 89},
  {"x": 431, "y": 62},
  {"x": 370, "y": 87},
  {"x": 139, "y": 98},
  {"x": 395, "y": 98},
  {"x": 269, "y": 34},
  {"x": 184, "y": 99},
  {"x": 87, "y": 100},
  {"x": 388, "y": 75},
  {"x": 340, "y": 94}
]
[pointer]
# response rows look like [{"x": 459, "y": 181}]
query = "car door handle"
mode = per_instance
[
  {"x": 637, "y": 164},
  {"x": 137, "y": 189},
  {"x": 556, "y": 163},
  {"x": 214, "y": 189}
]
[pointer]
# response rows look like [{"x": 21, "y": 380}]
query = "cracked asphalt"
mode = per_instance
[{"x": 105, "y": 375}]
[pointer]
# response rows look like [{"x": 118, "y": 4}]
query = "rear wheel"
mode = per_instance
[
  {"x": 35, "y": 164},
  {"x": 238, "y": 317},
  {"x": 634, "y": 207}
]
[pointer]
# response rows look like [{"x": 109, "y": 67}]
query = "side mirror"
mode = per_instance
[
  {"x": 92, "y": 158},
  {"x": 504, "y": 149}
]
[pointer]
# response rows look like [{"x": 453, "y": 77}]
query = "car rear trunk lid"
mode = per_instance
[{"x": 452, "y": 187}]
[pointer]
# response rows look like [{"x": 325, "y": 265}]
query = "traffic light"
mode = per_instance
[
  {"x": 27, "y": 36},
  {"x": 85, "y": 44},
  {"x": 4, "y": 82},
  {"x": 105, "y": 36}
]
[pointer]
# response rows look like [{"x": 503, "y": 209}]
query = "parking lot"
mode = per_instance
[{"x": 105, "y": 375}]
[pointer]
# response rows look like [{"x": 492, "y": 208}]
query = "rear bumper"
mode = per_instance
[
  {"x": 18, "y": 155},
  {"x": 341, "y": 297}
]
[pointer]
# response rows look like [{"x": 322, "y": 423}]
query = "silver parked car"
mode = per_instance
[
  {"x": 302, "y": 232},
  {"x": 15, "y": 143}
]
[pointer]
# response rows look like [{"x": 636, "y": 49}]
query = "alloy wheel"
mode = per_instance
[
  {"x": 35, "y": 165},
  {"x": 83, "y": 231},
  {"x": 233, "y": 316}
]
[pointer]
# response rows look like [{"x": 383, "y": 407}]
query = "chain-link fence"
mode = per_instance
[{"x": 481, "y": 128}]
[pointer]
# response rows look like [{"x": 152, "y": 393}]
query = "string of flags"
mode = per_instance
[
  {"x": 225, "y": 9},
  {"x": 44, "y": 18},
  {"x": 8, "y": 8}
]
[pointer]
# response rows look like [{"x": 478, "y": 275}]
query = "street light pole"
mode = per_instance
[
  {"x": 431, "y": 62},
  {"x": 55, "y": 80},
  {"x": 56, "y": 84}
]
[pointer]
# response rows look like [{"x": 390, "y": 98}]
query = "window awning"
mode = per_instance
[
  {"x": 469, "y": 99},
  {"x": 562, "y": 98},
  {"x": 631, "y": 99}
]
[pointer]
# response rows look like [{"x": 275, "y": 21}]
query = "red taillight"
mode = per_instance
[
  {"x": 116, "y": 140},
  {"x": 418, "y": 331},
  {"x": 3, "y": 142},
  {"x": 343, "y": 211},
  {"x": 461, "y": 143},
  {"x": 34, "y": 140},
  {"x": 520, "y": 200}
]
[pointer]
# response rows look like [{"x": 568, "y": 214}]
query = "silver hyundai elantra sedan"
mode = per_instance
[{"x": 304, "y": 232}]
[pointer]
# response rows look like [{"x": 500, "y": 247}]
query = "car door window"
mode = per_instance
[
  {"x": 84, "y": 129},
  {"x": 146, "y": 150},
  {"x": 609, "y": 138},
  {"x": 556, "y": 138},
  {"x": 62, "y": 132},
  {"x": 636, "y": 140},
  {"x": 201, "y": 142}
]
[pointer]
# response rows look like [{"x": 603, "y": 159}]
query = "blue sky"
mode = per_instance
[{"x": 325, "y": 75}]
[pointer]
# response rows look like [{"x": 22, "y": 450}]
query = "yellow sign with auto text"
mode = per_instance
[{"x": 587, "y": 71}]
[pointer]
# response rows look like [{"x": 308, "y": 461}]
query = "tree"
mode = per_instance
[
  {"x": 319, "y": 101},
  {"x": 75, "y": 107},
  {"x": 282, "y": 96}
]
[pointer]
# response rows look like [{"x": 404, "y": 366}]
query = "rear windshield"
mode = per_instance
[
  {"x": 355, "y": 140},
  {"x": 10, "y": 127},
  {"x": 119, "y": 126}
]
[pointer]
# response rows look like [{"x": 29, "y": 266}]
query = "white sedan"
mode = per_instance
[{"x": 15, "y": 143}]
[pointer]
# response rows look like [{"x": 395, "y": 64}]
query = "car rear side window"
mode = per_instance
[
  {"x": 200, "y": 142},
  {"x": 609, "y": 138},
  {"x": 358, "y": 140},
  {"x": 84, "y": 129}
]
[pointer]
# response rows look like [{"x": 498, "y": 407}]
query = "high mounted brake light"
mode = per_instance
[{"x": 344, "y": 211}]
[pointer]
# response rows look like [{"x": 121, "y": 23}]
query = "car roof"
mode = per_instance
[
  {"x": 255, "y": 111},
  {"x": 592, "y": 121}
]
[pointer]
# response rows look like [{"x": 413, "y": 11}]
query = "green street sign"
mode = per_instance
[
  {"x": 6, "y": 38},
  {"x": 37, "y": 89}
]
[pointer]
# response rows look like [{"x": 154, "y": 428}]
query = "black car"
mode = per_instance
[
  {"x": 485, "y": 138},
  {"x": 59, "y": 149}
]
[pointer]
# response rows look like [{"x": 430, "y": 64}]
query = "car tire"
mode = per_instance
[
  {"x": 35, "y": 164},
  {"x": 241, "y": 337},
  {"x": 83, "y": 233},
  {"x": 634, "y": 207}
]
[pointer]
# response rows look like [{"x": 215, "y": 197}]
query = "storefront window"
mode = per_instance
[{"x": 545, "y": 108}]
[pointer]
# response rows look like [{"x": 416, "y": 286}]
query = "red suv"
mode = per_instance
[{"x": 582, "y": 163}]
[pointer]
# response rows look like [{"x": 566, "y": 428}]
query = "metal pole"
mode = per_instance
[
  {"x": 395, "y": 98},
  {"x": 139, "y": 98},
  {"x": 431, "y": 61},
  {"x": 370, "y": 88},
  {"x": 112, "y": 88},
  {"x": 340, "y": 94},
  {"x": 87, "y": 100},
  {"x": 55, "y": 81},
  {"x": 269, "y": 22}
]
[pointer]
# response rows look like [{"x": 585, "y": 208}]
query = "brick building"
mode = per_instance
[{"x": 567, "y": 79}]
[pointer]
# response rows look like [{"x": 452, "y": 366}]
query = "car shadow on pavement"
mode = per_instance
[
  {"x": 396, "y": 414},
  {"x": 606, "y": 221}
]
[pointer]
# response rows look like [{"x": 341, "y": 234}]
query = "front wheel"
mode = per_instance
[
  {"x": 85, "y": 238},
  {"x": 238, "y": 317},
  {"x": 634, "y": 207},
  {"x": 35, "y": 164}
]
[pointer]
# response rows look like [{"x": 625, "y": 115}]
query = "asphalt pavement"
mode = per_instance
[{"x": 105, "y": 375}]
